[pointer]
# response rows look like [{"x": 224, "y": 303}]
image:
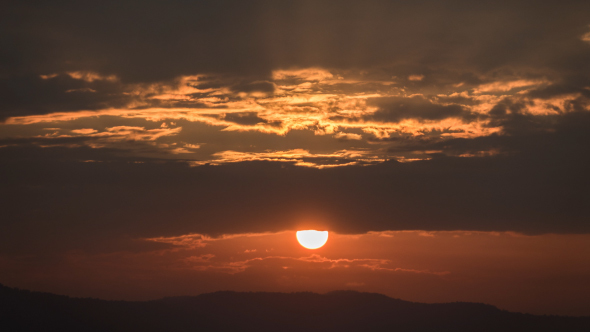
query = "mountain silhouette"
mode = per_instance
[{"x": 22, "y": 310}]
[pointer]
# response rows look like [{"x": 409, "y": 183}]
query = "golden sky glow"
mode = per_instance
[{"x": 413, "y": 265}]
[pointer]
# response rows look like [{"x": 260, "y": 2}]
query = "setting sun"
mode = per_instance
[{"x": 312, "y": 239}]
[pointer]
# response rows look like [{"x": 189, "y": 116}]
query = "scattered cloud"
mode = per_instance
[
  {"x": 88, "y": 76},
  {"x": 496, "y": 87}
]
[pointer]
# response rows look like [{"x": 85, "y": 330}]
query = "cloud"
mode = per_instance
[
  {"x": 84, "y": 131},
  {"x": 308, "y": 74},
  {"x": 298, "y": 157},
  {"x": 245, "y": 118},
  {"x": 535, "y": 182},
  {"x": 256, "y": 86},
  {"x": 348, "y": 136},
  {"x": 506, "y": 86},
  {"x": 271, "y": 36},
  {"x": 88, "y": 76},
  {"x": 32, "y": 94},
  {"x": 132, "y": 133},
  {"x": 395, "y": 109},
  {"x": 187, "y": 244},
  {"x": 357, "y": 110}
]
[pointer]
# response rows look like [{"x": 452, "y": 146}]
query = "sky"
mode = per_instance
[{"x": 152, "y": 149}]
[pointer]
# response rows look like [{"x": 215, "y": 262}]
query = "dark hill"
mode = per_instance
[{"x": 22, "y": 310}]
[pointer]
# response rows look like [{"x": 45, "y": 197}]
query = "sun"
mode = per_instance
[{"x": 312, "y": 239}]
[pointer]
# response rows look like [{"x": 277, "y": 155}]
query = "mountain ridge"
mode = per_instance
[{"x": 23, "y": 310}]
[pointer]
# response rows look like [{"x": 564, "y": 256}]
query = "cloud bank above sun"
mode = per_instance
[{"x": 314, "y": 87}]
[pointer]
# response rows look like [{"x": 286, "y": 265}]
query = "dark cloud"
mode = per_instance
[
  {"x": 148, "y": 41},
  {"x": 395, "y": 109},
  {"x": 246, "y": 118},
  {"x": 43, "y": 140},
  {"x": 459, "y": 100},
  {"x": 562, "y": 136},
  {"x": 256, "y": 86},
  {"x": 32, "y": 94},
  {"x": 152, "y": 41},
  {"x": 569, "y": 85}
]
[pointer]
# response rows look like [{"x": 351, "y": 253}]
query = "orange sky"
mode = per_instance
[{"x": 537, "y": 274}]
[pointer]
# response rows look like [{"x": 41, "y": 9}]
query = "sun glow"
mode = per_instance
[{"x": 312, "y": 239}]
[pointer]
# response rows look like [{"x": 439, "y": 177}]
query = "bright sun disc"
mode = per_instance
[{"x": 311, "y": 239}]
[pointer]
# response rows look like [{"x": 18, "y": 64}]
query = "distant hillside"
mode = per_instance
[{"x": 22, "y": 310}]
